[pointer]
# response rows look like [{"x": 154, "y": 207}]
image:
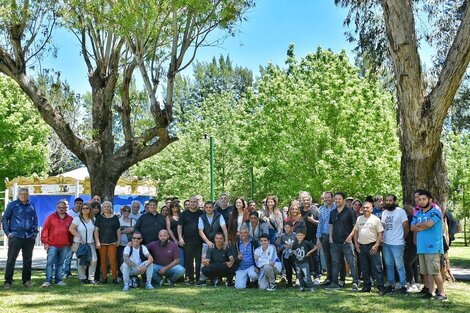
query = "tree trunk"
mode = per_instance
[{"x": 103, "y": 181}]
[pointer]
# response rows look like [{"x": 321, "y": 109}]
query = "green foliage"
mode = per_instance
[
  {"x": 318, "y": 126},
  {"x": 23, "y": 135}
]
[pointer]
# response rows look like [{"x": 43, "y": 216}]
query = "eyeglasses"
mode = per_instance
[
  {"x": 62, "y": 207},
  {"x": 137, "y": 238}
]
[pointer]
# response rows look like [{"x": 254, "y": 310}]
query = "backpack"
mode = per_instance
[{"x": 141, "y": 253}]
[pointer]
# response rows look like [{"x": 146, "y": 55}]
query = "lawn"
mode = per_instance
[{"x": 109, "y": 298}]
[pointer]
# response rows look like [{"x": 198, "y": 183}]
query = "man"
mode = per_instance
[
  {"x": 311, "y": 214},
  {"x": 75, "y": 211},
  {"x": 395, "y": 222},
  {"x": 209, "y": 224},
  {"x": 378, "y": 206},
  {"x": 96, "y": 198},
  {"x": 256, "y": 227},
  {"x": 245, "y": 249},
  {"x": 150, "y": 224},
  {"x": 251, "y": 206},
  {"x": 218, "y": 261},
  {"x": 189, "y": 239},
  {"x": 135, "y": 210},
  {"x": 349, "y": 201},
  {"x": 137, "y": 260},
  {"x": 323, "y": 233},
  {"x": 342, "y": 221},
  {"x": 166, "y": 258},
  {"x": 57, "y": 241},
  {"x": 224, "y": 207},
  {"x": 427, "y": 224},
  {"x": 367, "y": 234},
  {"x": 20, "y": 224},
  {"x": 269, "y": 264}
]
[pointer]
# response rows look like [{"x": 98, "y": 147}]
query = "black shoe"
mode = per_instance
[
  {"x": 403, "y": 290},
  {"x": 115, "y": 282},
  {"x": 215, "y": 282},
  {"x": 424, "y": 291},
  {"x": 92, "y": 282},
  {"x": 200, "y": 283},
  {"x": 229, "y": 283},
  {"x": 366, "y": 289},
  {"x": 387, "y": 290},
  {"x": 326, "y": 282},
  {"x": 84, "y": 281},
  {"x": 427, "y": 296},
  {"x": 190, "y": 283}
]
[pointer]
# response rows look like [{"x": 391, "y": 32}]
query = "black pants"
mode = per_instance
[
  {"x": 120, "y": 259},
  {"x": 325, "y": 243},
  {"x": 411, "y": 264},
  {"x": 192, "y": 254},
  {"x": 289, "y": 265},
  {"x": 314, "y": 262},
  {"x": 215, "y": 270},
  {"x": 14, "y": 246}
]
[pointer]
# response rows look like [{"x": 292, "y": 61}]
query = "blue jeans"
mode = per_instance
[
  {"x": 67, "y": 263},
  {"x": 173, "y": 273},
  {"x": 55, "y": 259},
  {"x": 339, "y": 252},
  {"x": 393, "y": 255},
  {"x": 371, "y": 264}
]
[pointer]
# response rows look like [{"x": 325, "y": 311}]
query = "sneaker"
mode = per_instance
[
  {"x": 440, "y": 297},
  {"x": 229, "y": 284},
  {"x": 312, "y": 289},
  {"x": 354, "y": 287},
  {"x": 46, "y": 284},
  {"x": 190, "y": 283},
  {"x": 403, "y": 290},
  {"x": 160, "y": 283},
  {"x": 366, "y": 289},
  {"x": 28, "y": 284},
  {"x": 149, "y": 286},
  {"x": 6, "y": 286},
  {"x": 60, "y": 283},
  {"x": 326, "y": 282},
  {"x": 171, "y": 283},
  {"x": 133, "y": 282},
  {"x": 271, "y": 288},
  {"x": 215, "y": 282},
  {"x": 413, "y": 288},
  {"x": 126, "y": 287},
  {"x": 301, "y": 289},
  {"x": 92, "y": 282},
  {"x": 341, "y": 284},
  {"x": 316, "y": 282},
  {"x": 387, "y": 290},
  {"x": 427, "y": 296},
  {"x": 424, "y": 291},
  {"x": 332, "y": 287},
  {"x": 200, "y": 283}
]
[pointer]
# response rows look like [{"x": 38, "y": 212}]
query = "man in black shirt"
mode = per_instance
[
  {"x": 342, "y": 221},
  {"x": 150, "y": 224},
  {"x": 219, "y": 262},
  {"x": 189, "y": 239},
  {"x": 311, "y": 214},
  {"x": 224, "y": 206}
]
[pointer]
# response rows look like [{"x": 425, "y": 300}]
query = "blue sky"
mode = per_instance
[{"x": 271, "y": 26}]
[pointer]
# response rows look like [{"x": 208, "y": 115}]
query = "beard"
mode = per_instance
[
  {"x": 390, "y": 207},
  {"x": 163, "y": 243}
]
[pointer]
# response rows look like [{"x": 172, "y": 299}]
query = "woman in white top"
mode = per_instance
[
  {"x": 82, "y": 229},
  {"x": 273, "y": 217},
  {"x": 127, "y": 224}
]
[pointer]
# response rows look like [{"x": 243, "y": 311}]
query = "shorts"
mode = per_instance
[{"x": 430, "y": 264}]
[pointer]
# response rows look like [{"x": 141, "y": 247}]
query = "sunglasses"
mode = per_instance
[
  {"x": 62, "y": 207},
  {"x": 137, "y": 238}
]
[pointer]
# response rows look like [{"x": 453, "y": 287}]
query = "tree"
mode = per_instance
[
  {"x": 318, "y": 126},
  {"x": 422, "y": 103},
  {"x": 118, "y": 40},
  {"x": 23, "y": 135}
]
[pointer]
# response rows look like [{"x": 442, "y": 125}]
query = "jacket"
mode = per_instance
[
  {"x": 20, "y": 220},
  {"x": 56, "y": 231}
]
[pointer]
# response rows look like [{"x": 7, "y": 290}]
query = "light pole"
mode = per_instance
[
  {"x": 252, "y": 183},
  {"x": 211, "y": 162}
]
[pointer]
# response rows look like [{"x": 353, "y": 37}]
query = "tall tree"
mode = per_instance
[
  {"x": 423, "y": 102},
  {"x": 118, "y": 40}
]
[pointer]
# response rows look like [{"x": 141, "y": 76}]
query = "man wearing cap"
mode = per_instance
[{"x": 20, "y": 224}]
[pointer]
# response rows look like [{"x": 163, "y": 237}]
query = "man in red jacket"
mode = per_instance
[{"x": 57, "y": 241}]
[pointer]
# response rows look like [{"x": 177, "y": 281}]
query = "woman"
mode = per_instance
[
  {"x": 357, "y": 207},
  {"x": 295, "y": 216},
  {"x": 127, "y": 227},
  {"x": 237, "y": 219},
  {"x": 83, "y": 231},
  {"x": 109, "y": 232},
  {"x": 174, "y": 213},
  {"x": 273, "y": 217},
  {"x": 164, "y": 211},
  {"x": 95, "y": 211}
]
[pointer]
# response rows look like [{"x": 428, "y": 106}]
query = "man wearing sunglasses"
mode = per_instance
[{"x": 137, "y": 261}]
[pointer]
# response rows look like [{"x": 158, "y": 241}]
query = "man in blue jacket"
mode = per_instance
[{"x": 20, "y": 224}]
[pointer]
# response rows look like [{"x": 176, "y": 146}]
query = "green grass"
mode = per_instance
[
  {"x": 459, "y": 254},
  {"x": 110, "y": 298}
]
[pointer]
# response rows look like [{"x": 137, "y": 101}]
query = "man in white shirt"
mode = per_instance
[{"x": 135, "y": 263}]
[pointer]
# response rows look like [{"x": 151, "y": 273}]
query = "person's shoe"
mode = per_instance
[
  {"x": 84, "y": 281},
  {"x": 341, "y": 284},
  {"x": 424, "y": 291},
  {"x": 229, "y": 283},
  {"x": 413, "y": 288},
  {"x": 133, "y": 282},
  {"x": 427, "y": 296},
  {"x": 403, "y": 290},
  {"x": 46, "y": 284},
  {"x": 115, "y": 282},
  {"x": 6, "y": 286},
  {"x": 354, "y": 287},
  {"x": 171, "y": 283},
  {"x": 289, "y": 285},
  {"x": 126, "y": 287},
  {"x": 327, "y": 282},
  {"x": 92, "y": 282},
  {"x": 28, "y": 284},
  {"x": 149, "y": 286},
  {"x": 366, "y": 289},
  {"x": 312, "y": 289},
  {"x": 301, "y": 289},
  {"x": 66, "y": 275},
  {"x": 200, "y": 283},
  {"x": 60, "y": 283},
  {"x": 271, "y": 288},
  {"x": 215, "y": 282},
  {"x": 190, "y": 283},
  {"x": 104, "y": 282},
  {"x": 387, "y": 290},
  {"x": 316, "y": 282},
  {"x": 160, "y": 283},
  {"x": 440, "y": 297},
  {"x": 332, "y": 287}
]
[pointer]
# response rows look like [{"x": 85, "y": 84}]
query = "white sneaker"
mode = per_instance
[
  {"x": 46, "y": 284},
  {"x": 316, "y": 282},
  {"x": 61, "y": 283}
]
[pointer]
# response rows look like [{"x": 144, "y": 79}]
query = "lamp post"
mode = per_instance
[
  {"x": 211, "y": 164},
  {"x": 252, "y": 183}
]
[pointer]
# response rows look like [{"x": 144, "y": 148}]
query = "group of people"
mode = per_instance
[{"x": 204, "y": 241}]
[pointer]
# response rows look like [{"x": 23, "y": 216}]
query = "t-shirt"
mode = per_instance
[
  {"x": 218, "y": 256},
  {"x": 163, "y": 255},
  {"x": 189, "y": 221},
  {"x": 72, "y": 213},
  {"x": 287, "y": 240},
  {"x": 124, "y": 225},
  {"x": 393, "y": 226},
  {"x": 368, "y": 229},
  {"x": 301, "y": 249},
  {"x": 149, "y": 225},
  {"x": 311, "y": 227},
  {"x": 85, "y": 230},
  {"x": 107, "y": 228},
  {"x": 378, "y": 212},
  {"x": 343, "y": 223},
  {"x": 135, "y": 257},
  {"x": 429, "y": 240}
]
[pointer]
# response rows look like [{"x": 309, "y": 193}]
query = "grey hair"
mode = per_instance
[
  {"x": 135, "y": 202},
  {"x": 107, "y": 203}
]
